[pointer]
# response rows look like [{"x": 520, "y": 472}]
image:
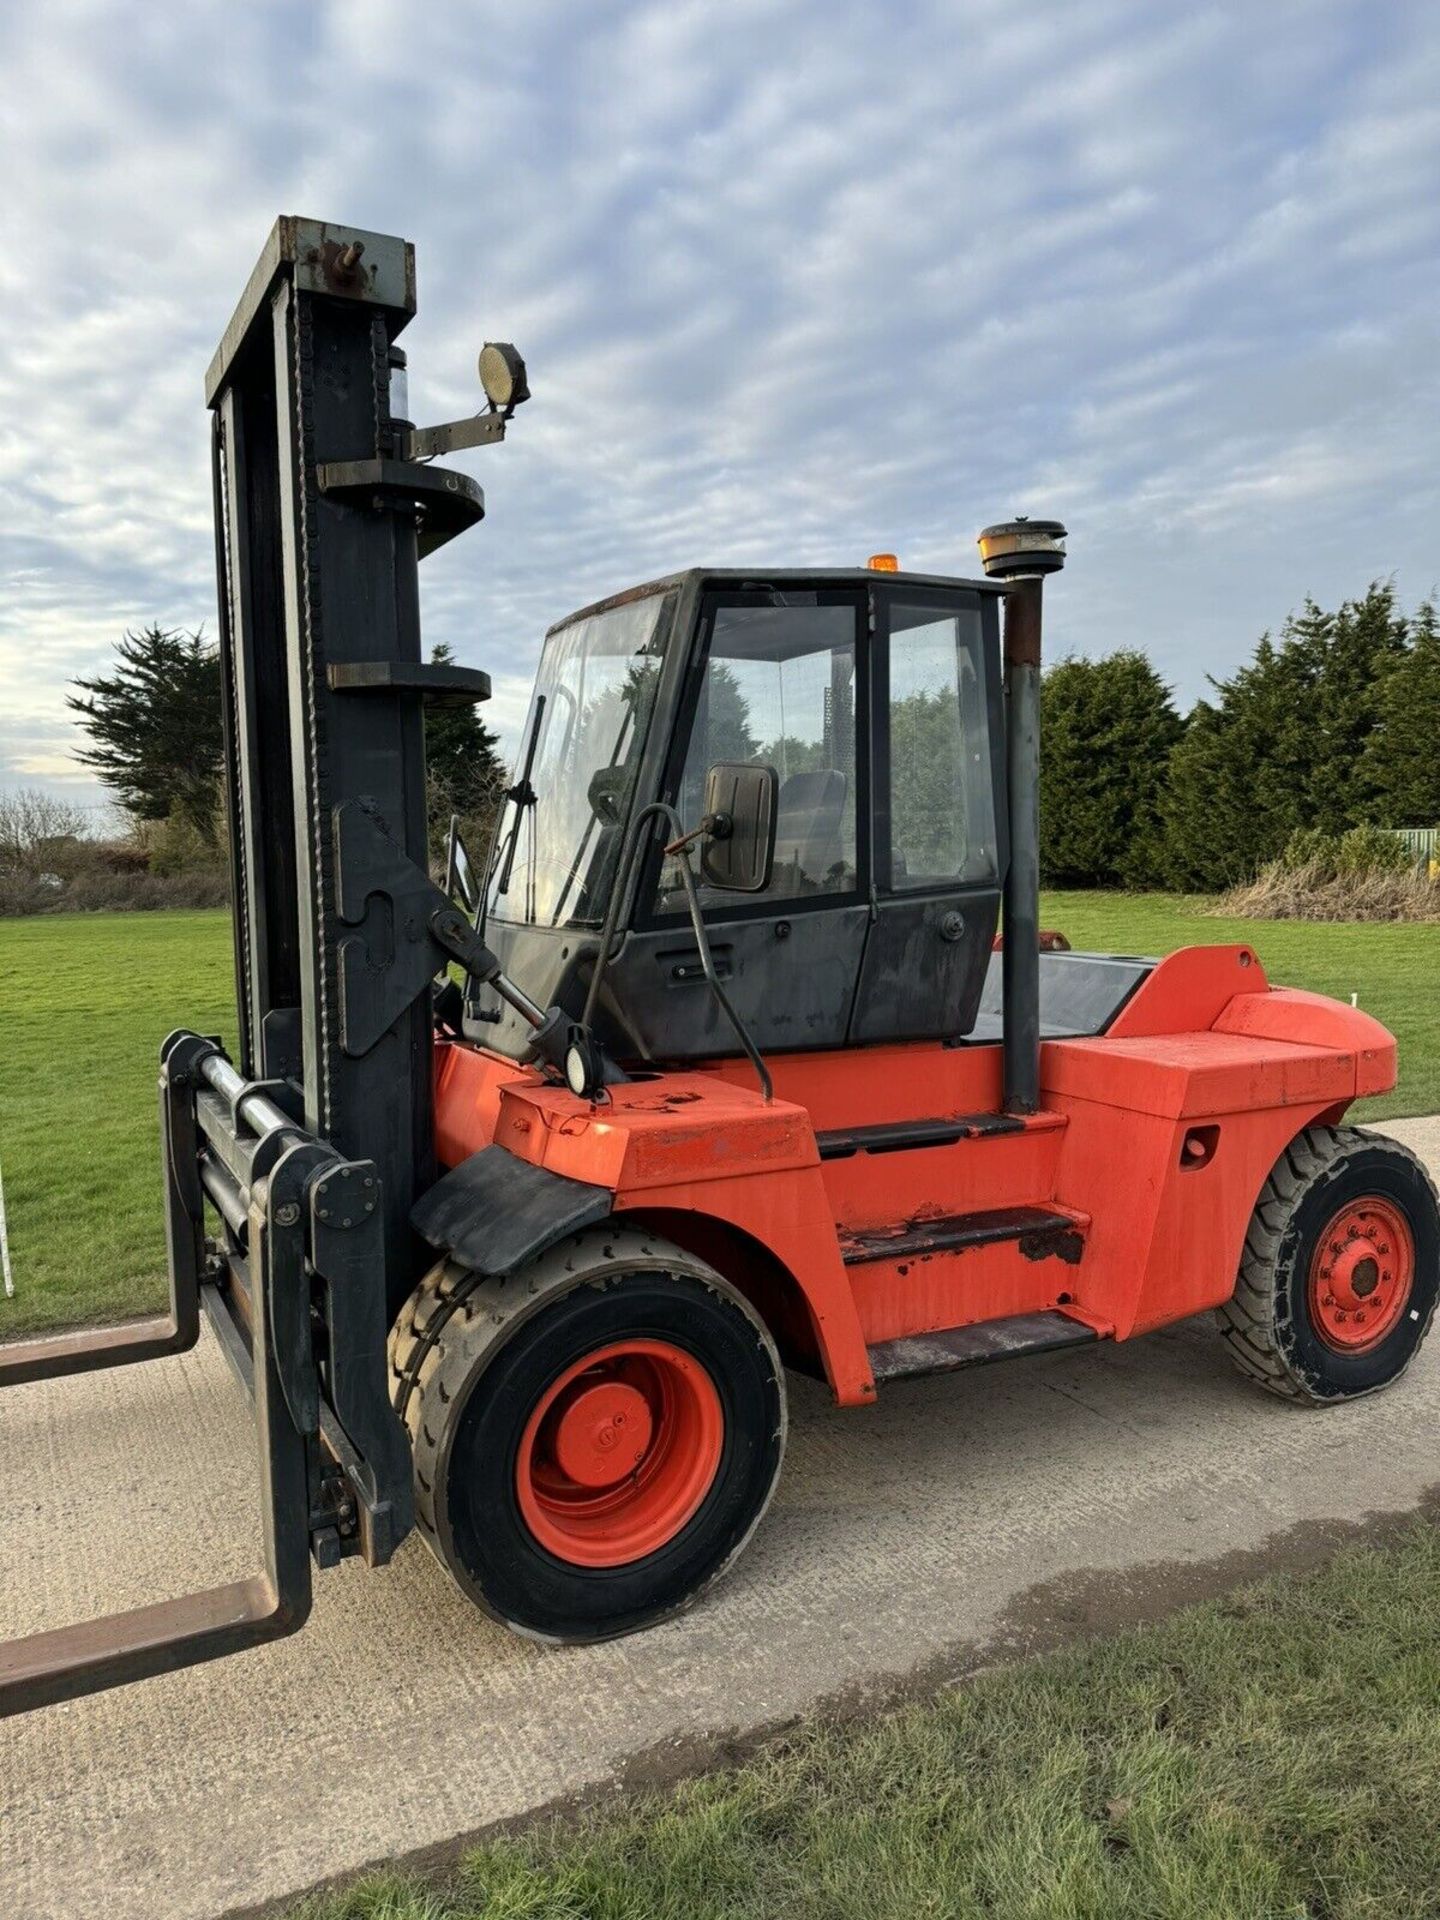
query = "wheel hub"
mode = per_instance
[
  {"x": 619, "y": 1453},
  {"x": 603, "y": 1434},
  {"x": 1361, "y": 1275}
]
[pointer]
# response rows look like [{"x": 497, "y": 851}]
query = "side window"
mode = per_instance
[
  {"x": 942, "y": 803},
  {"x": 779, "y": 689}
]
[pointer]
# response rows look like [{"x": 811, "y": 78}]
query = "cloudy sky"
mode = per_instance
[{"x": 796, "y": 280}]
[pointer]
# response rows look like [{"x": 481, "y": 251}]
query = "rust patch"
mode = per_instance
[
  {"x": 1040, "y": 1234},
  {"x": 910, "y": 1136},
  {"x": 342, "y": 265},
  {"x": 1054, "y": 1243},
  {"x": 656, "y": 1102}
]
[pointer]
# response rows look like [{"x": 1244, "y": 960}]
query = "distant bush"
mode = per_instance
[
  {"x": 49, "y": 863},
  {"x": 1336, "y": 856},
  {"x": 112, "y": 892},
  {"x": 1365, "y": 874},
  {"x": 175, "y": 846}
]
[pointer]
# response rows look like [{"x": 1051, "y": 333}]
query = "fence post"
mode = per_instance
[{"x": 5, "y": 1247}]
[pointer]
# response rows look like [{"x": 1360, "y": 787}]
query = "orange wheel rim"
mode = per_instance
[
  {"x": 619, "y": 1453},
  {"x": 1361, "y": 1275}
]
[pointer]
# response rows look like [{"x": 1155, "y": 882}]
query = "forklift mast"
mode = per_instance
[
  {"x": 319, "y": 527},
  {"x": 312, "y": 1144}
]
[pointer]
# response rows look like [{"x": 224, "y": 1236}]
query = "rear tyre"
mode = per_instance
[
  {"x": 1341, "y": 1268},
  {"x": 596, "y": 1437}
]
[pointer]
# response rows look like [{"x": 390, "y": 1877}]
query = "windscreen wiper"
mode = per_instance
[{"x": 521, "y": 795}]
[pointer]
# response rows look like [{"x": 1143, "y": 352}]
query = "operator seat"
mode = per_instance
[{"x": 809, "y": 814}]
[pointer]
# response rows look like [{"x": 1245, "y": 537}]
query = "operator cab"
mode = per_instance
[{"x": 875, "y": 702}]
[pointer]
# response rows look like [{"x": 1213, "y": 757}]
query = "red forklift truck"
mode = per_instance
[{"x": 735, "y": 1082}]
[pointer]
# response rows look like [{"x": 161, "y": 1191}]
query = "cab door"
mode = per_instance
[
  {"x": 780, "y": 678},
  {"x": 940, "y": 842}
]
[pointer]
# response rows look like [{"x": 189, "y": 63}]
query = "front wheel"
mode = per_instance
[
  {"x": 1341, "y": 1268},
  {"x": 595, "y": 1438}
]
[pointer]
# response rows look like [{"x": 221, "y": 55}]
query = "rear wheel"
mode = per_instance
[
  {"x": 595, "y": 1437},
  {"x": 1341, "y": 1268}
]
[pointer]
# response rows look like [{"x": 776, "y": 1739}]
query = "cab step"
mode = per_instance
[
  {"x": 955, "y": 1347},
  {"x": 1042, "y": 1232}
]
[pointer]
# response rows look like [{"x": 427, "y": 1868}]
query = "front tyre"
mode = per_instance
[
  {"x": 596, "y": 1438},
  {"x": 1341, "y": 1268}
]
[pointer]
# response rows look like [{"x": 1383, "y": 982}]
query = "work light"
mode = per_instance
[{"x": 502, "y": 375}]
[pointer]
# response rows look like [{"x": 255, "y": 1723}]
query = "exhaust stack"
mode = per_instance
[{"x": 1021, "y": 552}]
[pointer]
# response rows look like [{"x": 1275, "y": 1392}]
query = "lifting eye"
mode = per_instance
[{"x": 1197, "y": 1149}]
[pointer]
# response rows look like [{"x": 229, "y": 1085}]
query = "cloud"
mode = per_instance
[{"x": 795, "y": 281}]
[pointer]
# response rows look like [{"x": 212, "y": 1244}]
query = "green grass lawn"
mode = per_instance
[
  {"x": 1271, "y": 1756},
  {"x": 86, "y": 999}
]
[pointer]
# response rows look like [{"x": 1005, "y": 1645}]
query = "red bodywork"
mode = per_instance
[{"x": 1153, "y": 1143}]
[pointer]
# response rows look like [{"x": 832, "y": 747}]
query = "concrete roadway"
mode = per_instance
[{"x": 960, "y": 1520}]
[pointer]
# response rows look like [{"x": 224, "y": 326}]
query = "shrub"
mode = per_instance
[
  {"x": 1373, "y": 850},
  {"x": 1333, "y": 856},
  {"x": 48, "y": 864},
  {"x": 110, "y": 890},
  {"x": 176, "y": 845},
  {"x": 1365, "y": 874}
]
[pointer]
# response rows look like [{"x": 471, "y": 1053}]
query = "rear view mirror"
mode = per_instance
[
  {"x": 609, "y": 788},
  {"x": 461, "y": 882},
  {"x": 737, "y": 851}
]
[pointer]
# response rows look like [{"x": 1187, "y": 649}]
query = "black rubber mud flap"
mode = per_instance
[{"x": 493, "y": 1211}]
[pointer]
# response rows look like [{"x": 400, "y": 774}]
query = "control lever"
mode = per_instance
[{"x": 549, "y": 1026}]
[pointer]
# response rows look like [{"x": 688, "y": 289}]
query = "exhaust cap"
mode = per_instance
[{"x": 1017, "y": 547}]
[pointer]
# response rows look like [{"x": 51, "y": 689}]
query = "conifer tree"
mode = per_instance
[
  {"x": 1355, "y": 651},
  {"x": 463, "y": 772},
  {"x": 1107, "y": 730},
  {"x": 1284, "y": 746},
  {"x": 155, "y": 727},
  {"x": 1401, "y": 761}
]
